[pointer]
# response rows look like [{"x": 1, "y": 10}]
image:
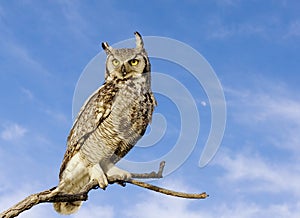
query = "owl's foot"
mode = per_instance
[
  {"x": 96, "y": 173},
  {"x": 114, "y": 173}
]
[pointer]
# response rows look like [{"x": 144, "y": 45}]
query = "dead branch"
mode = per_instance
[
  {"x": 47, "y": 196},
  {"x": 152, "y": 175},
  {"x": 202, "y": 195}
]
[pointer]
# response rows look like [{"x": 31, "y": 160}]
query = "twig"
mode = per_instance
[
  {"x": 167, "y": 191},
  {"x": 152, "y": 175},
  {"x": 47, "y": 196}
]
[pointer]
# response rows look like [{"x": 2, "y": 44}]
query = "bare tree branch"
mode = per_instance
[
  {"x": 47, "y": 196},
  {"x": 152, "y": 175},
  {"x": 167, "y": 191}
]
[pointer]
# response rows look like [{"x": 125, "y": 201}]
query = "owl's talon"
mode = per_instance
[
  {"x": 96, "y": 173},
  {"x": 117, "y": 174},
  {"x": 102, "y": 181}
]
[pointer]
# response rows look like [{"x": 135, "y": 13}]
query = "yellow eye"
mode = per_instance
[
  {"x": 133, "y": 62},
  {"x": 115, "y": 62}
]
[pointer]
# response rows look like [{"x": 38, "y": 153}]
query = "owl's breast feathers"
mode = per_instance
[{"x": 111, "y": 121}]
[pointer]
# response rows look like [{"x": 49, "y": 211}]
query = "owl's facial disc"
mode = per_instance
[{"x": 125, "y": 64}]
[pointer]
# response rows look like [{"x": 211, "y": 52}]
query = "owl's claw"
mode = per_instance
[
  {"x": 115, "y": 174},
  {"x": 96, "y": 173}
]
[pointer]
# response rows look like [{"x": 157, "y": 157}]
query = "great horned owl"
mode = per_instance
[{"x": 109, "y": 124}]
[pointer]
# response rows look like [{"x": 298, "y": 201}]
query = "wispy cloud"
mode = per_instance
[
  {"x": 274, "y": 109},
  {"x": 57, "y": 116},
  {"x": 271, "y": 27},
  {"x": 260, "y": 174},
  {"x": 76, "y": 22},
  {"x": 9, "y": 199},
  {"x": 162, "y": 206},
  {"x": 92, "y": 211},
  {"x": 22, "y": 55},
  {"x": 27, "y": 93},
  {"x": 267, "y": 105},
  {"x": 157, "y": 205},
  {"x": 221, "y": 30},
  {"x": 11, "y": 46},
  {"x": 13, "y": 131},
  {"x": 238, "y": 209}
]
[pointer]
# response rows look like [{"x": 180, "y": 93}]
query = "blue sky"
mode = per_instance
[{"x": 253, "y": 47}]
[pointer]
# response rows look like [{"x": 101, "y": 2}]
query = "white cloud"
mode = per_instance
[
  {"x": 220, "y": 30},
  {"x": 23, "y": 56},
  {"x": 56, "y": 115},
  {"x": 259, "y": 174},
  {"x": 271, "y": 27},
  {"x": 76, "y": 22},
  {"x": 157, "y": 205},
  {"x": 13, "y": 131},
  {"x": 161, "y": 207},
  {"x": 28, "y": 93},
  {"x": 238, "y": 209},
  {"x": 17, "y": 52},
  {"x": 91, "y": 211},
  {"x": 12, "y": 196},
  {"x": 273, "y": 105},
  {"x": 270, "y": 107}
]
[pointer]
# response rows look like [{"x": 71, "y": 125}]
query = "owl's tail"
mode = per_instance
[{"x": 67, "y": 208}]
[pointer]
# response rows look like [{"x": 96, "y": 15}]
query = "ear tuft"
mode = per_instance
[
  {"x": 139, "y": 40},
  {"x": 106, "y": 47}
]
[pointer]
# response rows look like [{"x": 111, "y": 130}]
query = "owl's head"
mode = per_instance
[{"x": 125, "y": 63}]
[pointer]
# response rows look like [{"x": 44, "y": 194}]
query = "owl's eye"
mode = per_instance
[
  {"x": 133, "y": 62},
  {"x": 115, "y": 62}
]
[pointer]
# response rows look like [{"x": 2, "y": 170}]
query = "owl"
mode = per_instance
[{"x": 109, "y": 124}]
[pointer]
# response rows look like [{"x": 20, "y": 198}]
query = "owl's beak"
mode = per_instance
[{"x": 123, "y": 70}]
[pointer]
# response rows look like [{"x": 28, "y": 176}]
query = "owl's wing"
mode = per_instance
[
  {"x": 148, "y": 102},
  {"x": 91, "y": 115}
]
